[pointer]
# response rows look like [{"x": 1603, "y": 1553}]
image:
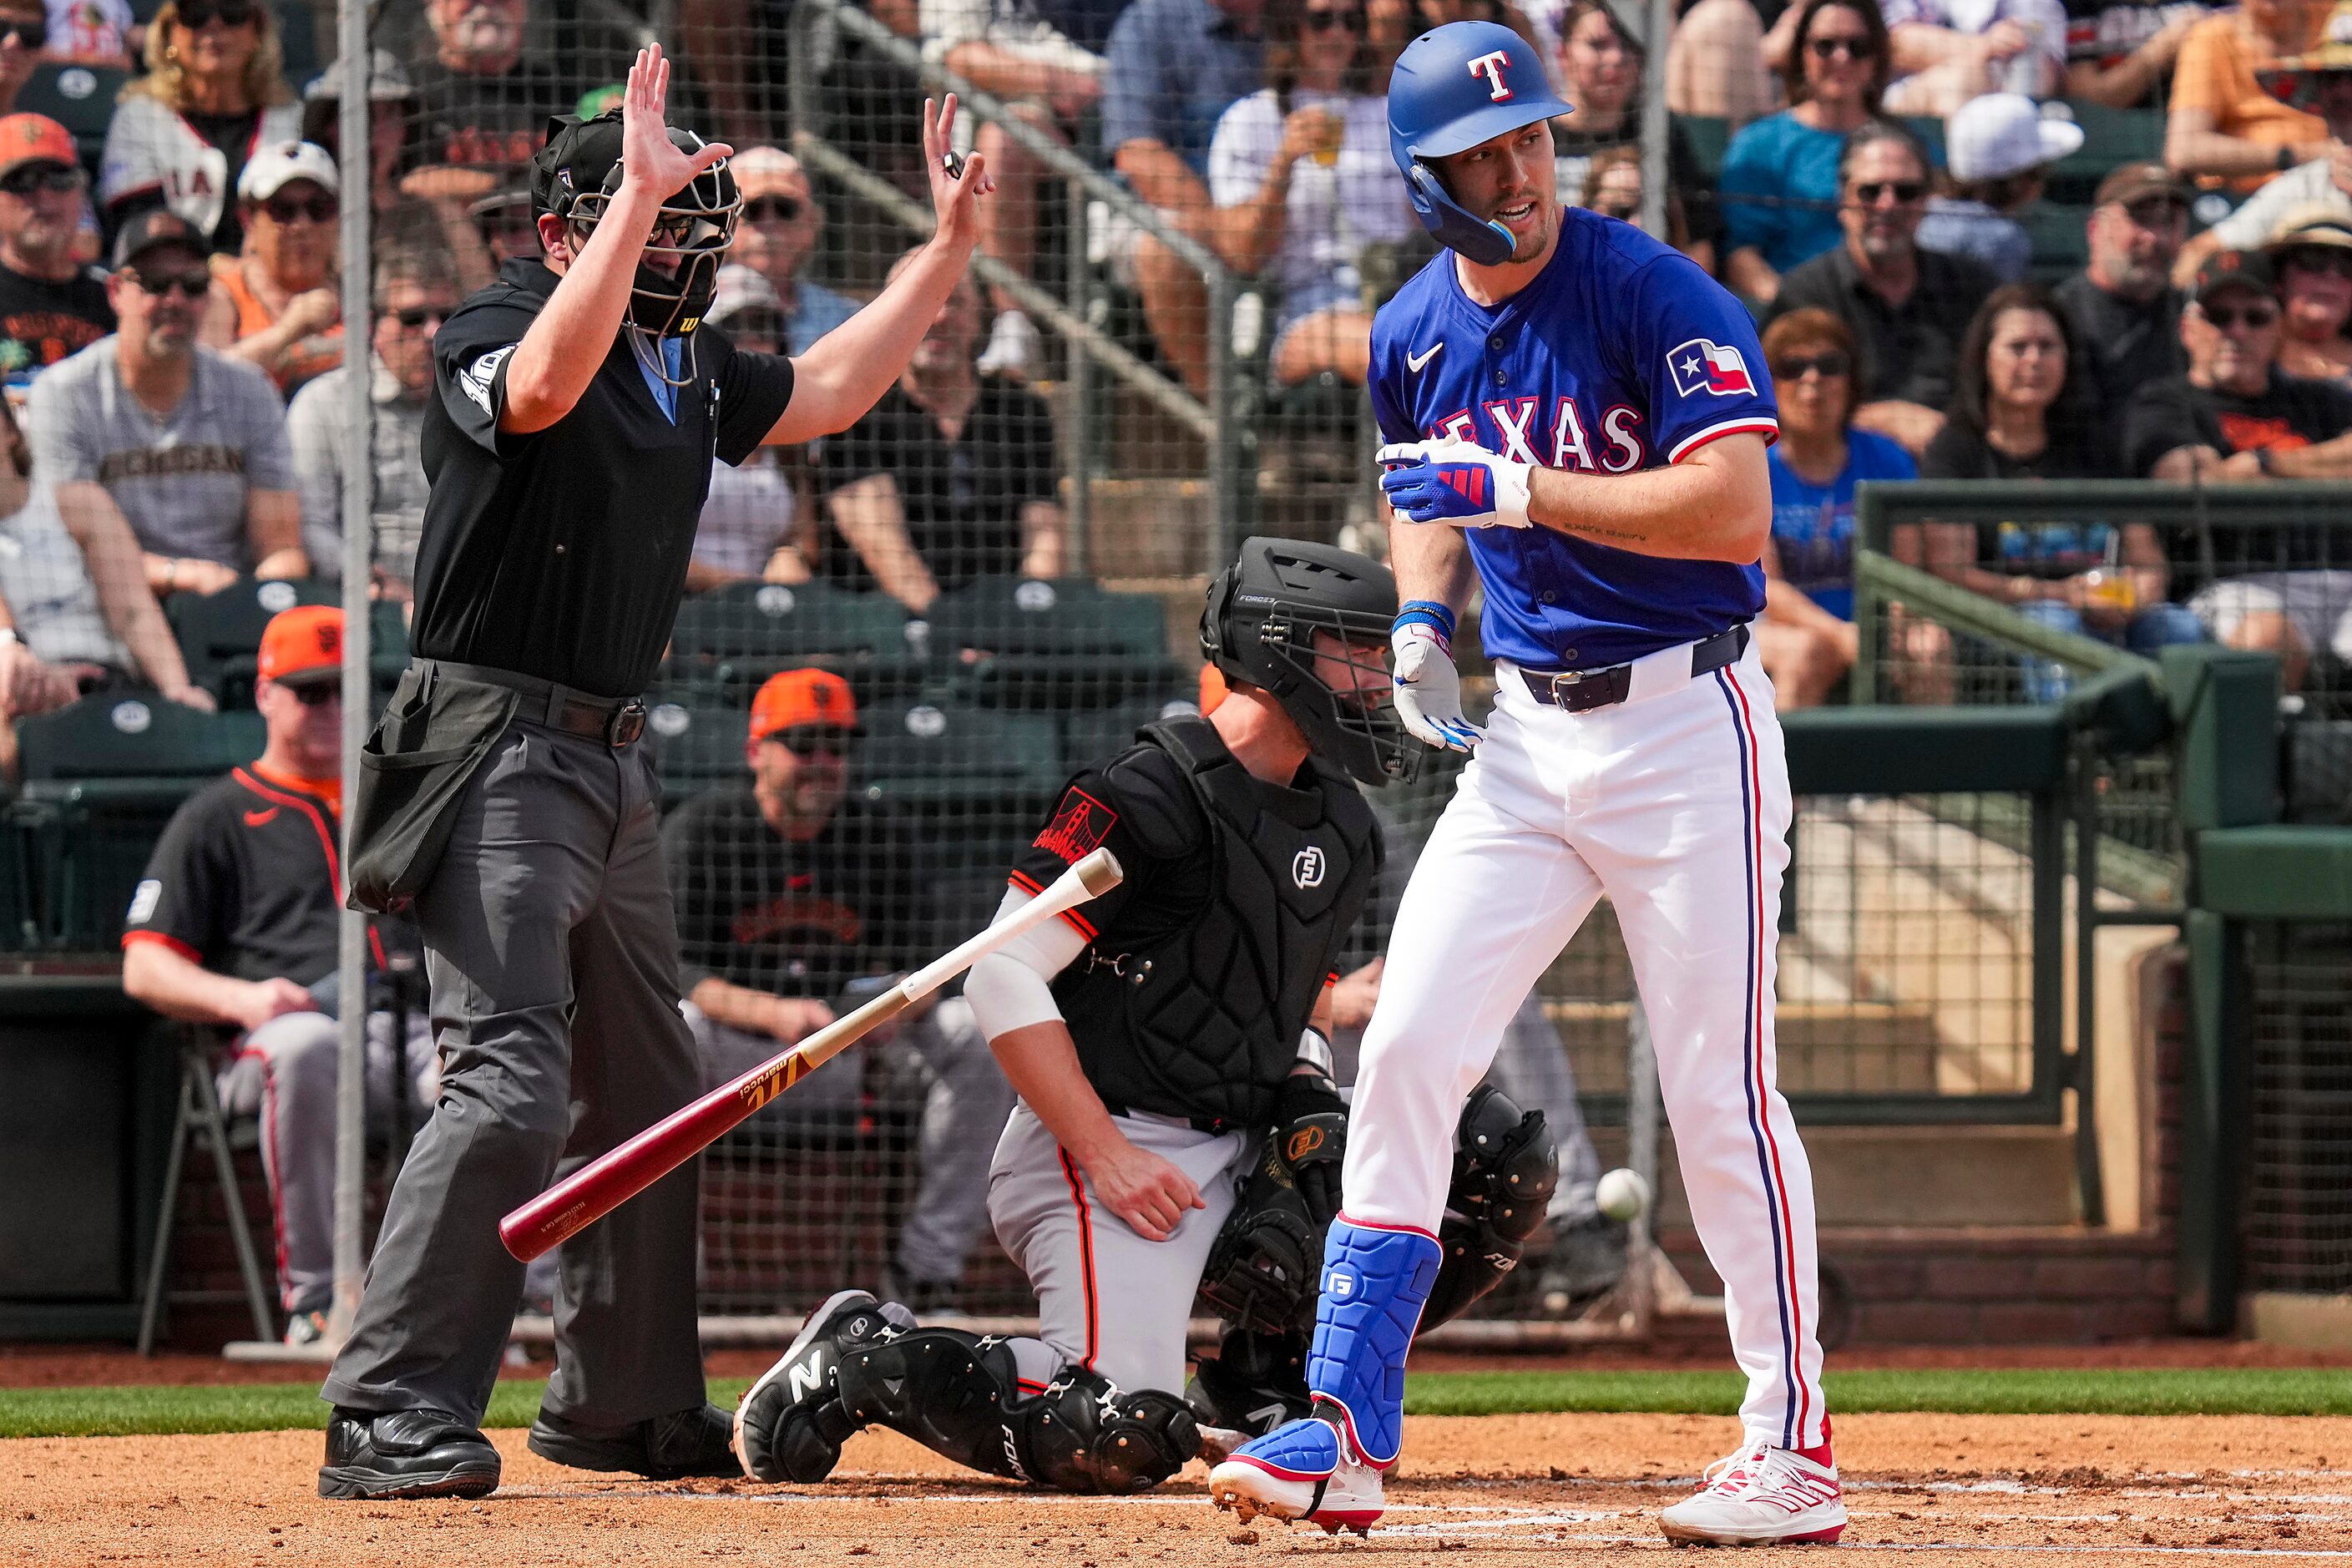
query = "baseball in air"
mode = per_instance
[{"x": 1622, "y": 1193}]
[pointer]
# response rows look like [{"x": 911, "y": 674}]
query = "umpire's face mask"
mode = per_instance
[{"x": 678, "y": 274}]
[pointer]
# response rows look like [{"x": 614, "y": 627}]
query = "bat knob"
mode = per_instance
[{"x": 1099, "y": 872}]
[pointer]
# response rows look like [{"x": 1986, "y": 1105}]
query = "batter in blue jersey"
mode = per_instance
[
  {"x": 1576, "y": 420},
  {"x": 1619, "y": 355}
]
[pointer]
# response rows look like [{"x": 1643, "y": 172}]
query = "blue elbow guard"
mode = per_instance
[{"x": 1374, "y": 1282}]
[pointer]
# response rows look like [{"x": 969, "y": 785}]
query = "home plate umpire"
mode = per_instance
[{"x": 504, "y": 796}]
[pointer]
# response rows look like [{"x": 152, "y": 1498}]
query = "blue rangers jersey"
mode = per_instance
[{"x": 1621, "y": 355}]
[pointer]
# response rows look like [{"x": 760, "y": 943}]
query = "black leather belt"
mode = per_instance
[
  {"x": 1581, "y": 690},
  {"x": 615, "y": 720}
]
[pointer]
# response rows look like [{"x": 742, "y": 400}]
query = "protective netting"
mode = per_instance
[
  {"x": 1163, "y": 349},
  {"x": 2298, "y": 1219}
]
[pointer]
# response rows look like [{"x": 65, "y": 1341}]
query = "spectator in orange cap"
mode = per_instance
[
  {"x": 793, "y": 900},
  {"x": 51, "y": 305},
  {"x": 235, "y": 924}
]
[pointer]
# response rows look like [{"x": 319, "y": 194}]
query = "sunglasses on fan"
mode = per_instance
[
  {"x": 195, "y": 14},
  {"x": 32, "y": 178},
  {"x": 190, "y": 285}
]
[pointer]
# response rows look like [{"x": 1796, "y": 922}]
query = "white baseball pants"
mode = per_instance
[{"x": 1674, "y": 805}]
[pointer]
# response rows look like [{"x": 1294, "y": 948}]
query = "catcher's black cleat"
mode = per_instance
[
  {"x": 683, "y": 1444},
  {"x": 406, "y": 1454},
  {"x": 792, "y": 1424}
]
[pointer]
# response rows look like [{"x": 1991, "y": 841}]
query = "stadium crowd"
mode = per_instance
[{"x": 2012, "y": 240}]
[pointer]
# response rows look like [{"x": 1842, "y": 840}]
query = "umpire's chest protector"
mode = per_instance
[{"x": 1196, "y": 1011}]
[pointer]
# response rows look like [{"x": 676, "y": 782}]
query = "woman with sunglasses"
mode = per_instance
[
  {"x": 1779, "y": 184},
  {"x": 1303, "y": 183},
  {"x": 2312, "y": 249},
  {"x": 2021, "y": 413},
  {"x": 1599, "y": 67},
  {"x": 275, "y": 303},
  {"x": 1806, "y": 635},
  {"x": 214, "y": 94}
]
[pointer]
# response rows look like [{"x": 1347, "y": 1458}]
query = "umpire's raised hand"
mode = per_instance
[{"x": 957, "y": 182}]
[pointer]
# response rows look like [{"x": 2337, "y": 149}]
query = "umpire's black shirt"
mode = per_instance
[{"x": 563, "y": 553}]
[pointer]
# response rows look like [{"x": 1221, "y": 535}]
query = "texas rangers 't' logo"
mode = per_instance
[
  {"x": 1718, "y": 369},
  {"x": 1490, "y": 65}
]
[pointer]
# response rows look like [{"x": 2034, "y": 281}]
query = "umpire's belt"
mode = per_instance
[
  {"x": 1581, "y": 690},
  {"x": 615, "y": 720}
]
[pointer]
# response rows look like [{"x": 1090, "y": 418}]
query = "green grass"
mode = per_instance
[
  {"x": 271, "y": 1406},
  {"x": 2194, "y": 1391}
]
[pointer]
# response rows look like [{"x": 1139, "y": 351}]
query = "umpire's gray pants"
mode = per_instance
[{"x": 552, "y": 951}]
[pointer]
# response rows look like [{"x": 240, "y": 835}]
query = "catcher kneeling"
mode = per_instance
[{"x": 1178, "y": 1130}]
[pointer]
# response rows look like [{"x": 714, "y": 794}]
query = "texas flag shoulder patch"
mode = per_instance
[
  {"x": 1080, "y": 825},
  {"x": 1716, "y": 369}
]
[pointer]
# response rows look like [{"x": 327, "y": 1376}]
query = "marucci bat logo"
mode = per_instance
[{"x": 772, "y": 1083}]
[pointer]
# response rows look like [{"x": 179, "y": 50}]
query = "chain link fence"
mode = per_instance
[{"x": 1162, "y": 350}]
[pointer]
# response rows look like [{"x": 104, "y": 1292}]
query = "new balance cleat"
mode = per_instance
[{"x": 1760, "y": 1496}]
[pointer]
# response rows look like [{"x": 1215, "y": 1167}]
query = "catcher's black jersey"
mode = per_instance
[{"x": 1204, "y": 964}]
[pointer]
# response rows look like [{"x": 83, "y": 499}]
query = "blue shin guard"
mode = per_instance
[{"x": 1374, "y": 1282}]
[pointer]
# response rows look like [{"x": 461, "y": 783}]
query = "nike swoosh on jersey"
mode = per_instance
[
  {"x": 259, "y": 818},
  {"x": 1413, "y": 362}
]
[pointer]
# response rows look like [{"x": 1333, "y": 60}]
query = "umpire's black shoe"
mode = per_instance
[
  {"x": 405, "y": 1452},
  {"x": 670, "y": 1448},
  {"x": 791, "y": 1423}
]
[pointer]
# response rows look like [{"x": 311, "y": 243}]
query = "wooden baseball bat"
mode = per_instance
[{"x": 615, "y": 1176}]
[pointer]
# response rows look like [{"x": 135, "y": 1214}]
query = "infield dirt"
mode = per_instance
[{"x": 1926, "y": 1489}]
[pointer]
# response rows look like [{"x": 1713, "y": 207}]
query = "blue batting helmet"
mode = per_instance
[{"x": 1456, "y": 86}]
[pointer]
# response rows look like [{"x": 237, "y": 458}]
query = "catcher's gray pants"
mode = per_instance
[
  {"x": 1108, "y": 1300},
  {"x": 964, "y": 1110},
  {"x": 552, "y": 952}
]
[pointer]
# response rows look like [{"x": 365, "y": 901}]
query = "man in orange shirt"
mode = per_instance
[
  {"x": 235, "y": 924},
  {"x": 2223, "y": 123}
]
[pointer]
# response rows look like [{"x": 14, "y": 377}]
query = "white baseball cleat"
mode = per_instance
[
  {"x": 1760, "y": 1496},
  {"x": 1299, "y": 1470}
]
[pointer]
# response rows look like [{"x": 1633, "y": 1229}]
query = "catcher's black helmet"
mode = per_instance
[
  {"x": 1259, "y": 628},
  {"x": 577, "y": 173}
]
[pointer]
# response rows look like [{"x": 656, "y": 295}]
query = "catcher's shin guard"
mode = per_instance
[
  {"x": 960, "y": 1396},
  {"x": 1375, "y": 1279}
]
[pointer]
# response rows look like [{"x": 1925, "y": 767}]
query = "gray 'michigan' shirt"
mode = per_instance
[{"x": 179, "y": 480}]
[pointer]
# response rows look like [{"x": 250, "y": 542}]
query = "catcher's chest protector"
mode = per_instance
[{"x": 1197, "y": 1012}]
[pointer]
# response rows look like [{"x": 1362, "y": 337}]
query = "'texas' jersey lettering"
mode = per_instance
[{"x": 1621, "y": 355}]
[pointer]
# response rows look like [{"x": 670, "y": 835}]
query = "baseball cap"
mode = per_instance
[
  {"x": 577, "y": 156},
  {"x": 2295, "y": 79},
  {"x": 740, "y": 290},
  {"x": 272, "y": 168},
  {"x": 388, "y": 82},
  {"x": 2311, "y": 222},
  {"x": 768, "y": 171},
  {"x": 804, "y": 697},
  {"x": 2129, "y": 181},
  {"x": 2004, "y": 134},
  {"x": 2233, "y": 269},
  {"x": 153, "y": 230},
  {"x": 303, "y": 645},
  {"x": 35, "y": 139}
]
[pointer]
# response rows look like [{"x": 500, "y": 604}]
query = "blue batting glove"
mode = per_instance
[{"x": 1453, "y": 482}]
